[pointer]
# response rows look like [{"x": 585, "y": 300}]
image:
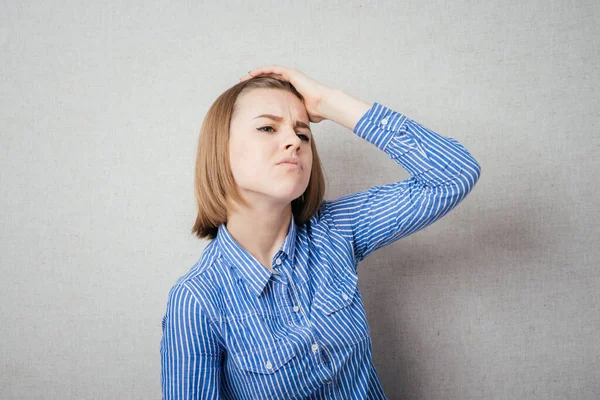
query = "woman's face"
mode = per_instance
[{"x": 257, "y": 144}]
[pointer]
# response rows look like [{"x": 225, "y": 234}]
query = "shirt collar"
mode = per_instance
[{"x": 253, "y": 272}]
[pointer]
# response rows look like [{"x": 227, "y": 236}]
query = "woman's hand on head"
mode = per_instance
[{"x": 312, "y": 91}]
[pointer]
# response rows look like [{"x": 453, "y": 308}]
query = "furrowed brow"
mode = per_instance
[{"x": 299, "y": 124}]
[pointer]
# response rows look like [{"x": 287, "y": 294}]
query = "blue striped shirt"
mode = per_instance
[{"x": 234, "y": 330}]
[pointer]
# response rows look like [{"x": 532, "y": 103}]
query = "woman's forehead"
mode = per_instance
[{"x": 269, "y": 101}]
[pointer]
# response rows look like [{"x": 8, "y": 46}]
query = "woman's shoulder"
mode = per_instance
[{"x": 199, "y": 279}]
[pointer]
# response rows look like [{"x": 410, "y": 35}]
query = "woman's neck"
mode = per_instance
[{"x": 260, "y": 232}]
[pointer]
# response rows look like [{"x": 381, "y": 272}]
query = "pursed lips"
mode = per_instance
[{"x": 291, "y": 163}]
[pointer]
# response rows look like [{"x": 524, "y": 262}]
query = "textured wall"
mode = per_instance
[{"x": 101, "y": 105}]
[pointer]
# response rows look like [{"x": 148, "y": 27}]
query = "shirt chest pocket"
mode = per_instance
[
  {"x": 266, "y": 361},
  {"x": 277, "y": 372},
  {"x": 339, "y": 311}
]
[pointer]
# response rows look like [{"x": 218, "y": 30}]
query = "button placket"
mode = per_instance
[{"x": 297, "y": 308}]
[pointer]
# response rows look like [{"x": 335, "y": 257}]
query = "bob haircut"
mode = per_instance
[{"x": 214, "y": 183}]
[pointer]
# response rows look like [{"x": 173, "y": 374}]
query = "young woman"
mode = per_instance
[{"x": 272, "y": 309}]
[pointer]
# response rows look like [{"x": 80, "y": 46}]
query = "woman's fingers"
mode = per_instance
[
  {"x": 277, "y": 71},
  {"x": 270, "y": 69}
]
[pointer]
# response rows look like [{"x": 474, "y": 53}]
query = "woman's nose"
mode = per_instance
[{"x": 291, "y": 138}]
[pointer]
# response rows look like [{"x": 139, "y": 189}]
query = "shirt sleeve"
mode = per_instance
[
  {"x": 442, "y": 173},
  {"x": 190, "y": 352}
]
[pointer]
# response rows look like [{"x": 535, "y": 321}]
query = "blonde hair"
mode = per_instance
[{"x": 213, "y": 179}]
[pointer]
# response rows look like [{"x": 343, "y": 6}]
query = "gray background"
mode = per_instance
[{"x": 101, "y": 106}]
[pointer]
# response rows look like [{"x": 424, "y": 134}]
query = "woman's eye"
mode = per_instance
[{"x": 302, "y": 137}]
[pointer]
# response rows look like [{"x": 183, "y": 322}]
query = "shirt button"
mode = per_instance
[
  {"x": 296, "y": 308},
  {"x": 269, "y": 365},
  {"x": 290, "y": 323},
  {"x": 278, "y": 261},
  {"x": 330, "y": 382},
  {"x": 315, "y": 347},
  {"x": 345, "y": 296},
  {"x": 384, "y": 121}
]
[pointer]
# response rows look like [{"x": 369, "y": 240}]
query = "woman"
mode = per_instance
[{"x": 272, "y": 309}]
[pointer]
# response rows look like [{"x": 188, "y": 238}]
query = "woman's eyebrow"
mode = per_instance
[{"x": 279, "y": 119}]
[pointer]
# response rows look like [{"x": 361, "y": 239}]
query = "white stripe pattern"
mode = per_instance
[{"x": 234, "y": 330}]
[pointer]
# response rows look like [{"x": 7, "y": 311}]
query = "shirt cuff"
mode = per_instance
[{"x": 379, "y": 124}]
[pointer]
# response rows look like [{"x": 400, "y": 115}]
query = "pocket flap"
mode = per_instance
[
  {"x": 266, "y": 361},
  {"x": 339, "y": 294}
]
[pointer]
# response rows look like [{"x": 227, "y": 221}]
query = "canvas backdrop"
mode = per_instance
[{"x": 101, "y": 107}]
